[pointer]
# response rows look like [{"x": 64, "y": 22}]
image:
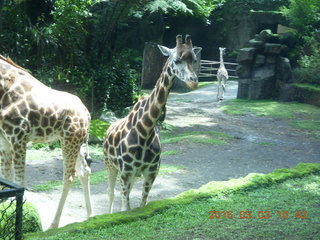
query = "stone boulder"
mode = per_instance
[{"x": 262, "y": 69}]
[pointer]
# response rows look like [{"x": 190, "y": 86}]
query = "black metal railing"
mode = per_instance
[{"x": 11, "y": 205}]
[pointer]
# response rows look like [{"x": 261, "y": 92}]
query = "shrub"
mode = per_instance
[
  {"x": 308, "y": 72},
  {"x": 31, "y": 221},
  {"x": 98, "y": 130}
]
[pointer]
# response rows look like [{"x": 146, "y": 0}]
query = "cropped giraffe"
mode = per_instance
[
  {"x": 222, "y": 76},
  {"x": 31, "y": 111},
  {"x": 132, "y": 146}
]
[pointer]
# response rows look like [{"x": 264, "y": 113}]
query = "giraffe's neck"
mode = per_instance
[
  {"x": 221, "y": 59},
  {"x": 150, "y": 108}
]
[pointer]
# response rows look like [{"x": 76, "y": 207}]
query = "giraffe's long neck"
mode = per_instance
[
  {"x": 150, "y": 108},
  {"x": 221, "y": 59}
]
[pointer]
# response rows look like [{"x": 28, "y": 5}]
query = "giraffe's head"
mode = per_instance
[
  {"x": 222, "y": 50},
  {"x": 181, "y": 60}
]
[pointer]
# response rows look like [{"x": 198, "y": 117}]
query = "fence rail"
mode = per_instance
[
  {"x": 209, "y": 68},
  {"x": 11, "y": 197}
]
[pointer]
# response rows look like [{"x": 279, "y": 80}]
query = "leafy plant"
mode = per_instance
[{"x": 98, "y": 129}]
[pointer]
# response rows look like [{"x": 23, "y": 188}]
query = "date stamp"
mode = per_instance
[{"x": 257, "y": 214}]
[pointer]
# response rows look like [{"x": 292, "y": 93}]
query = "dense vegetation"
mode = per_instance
[{"x": 94, "y": 48}]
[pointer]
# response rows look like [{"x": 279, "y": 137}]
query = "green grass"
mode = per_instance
[
  {"x": 310, "y": 87},
  {"x": 204, "y": 84},
  {"x": 266, "y": 143},
  {"x": 303, "y": 116},
  {"x": 170, "y": 153},
  {"x": 99, "y": 177},
  {"x": 256, "y": 207},
  {"x": 43, "y": 154},
  {"x": 270, "y": 108},
  {"x": 204, "y": 137},
  {"x": 307, "y": 124}
]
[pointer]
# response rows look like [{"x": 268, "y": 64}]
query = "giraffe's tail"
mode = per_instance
[{"x": 86, "y": 153}]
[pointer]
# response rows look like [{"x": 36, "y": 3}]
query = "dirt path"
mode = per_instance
[{"x": 246, "y": 152}]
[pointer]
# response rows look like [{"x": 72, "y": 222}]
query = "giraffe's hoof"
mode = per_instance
[{"x": 53, "y": 225}]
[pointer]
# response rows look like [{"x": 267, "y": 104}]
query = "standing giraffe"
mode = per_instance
[
  {"x": 31, "y": 111},
  {"x": 132, "y": 145},
  {"x": 222, "y": 76}
]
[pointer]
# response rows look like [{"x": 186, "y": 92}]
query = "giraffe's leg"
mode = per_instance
[
  {"x": 147, "y": 184},
  {"x": 70, "y": 154},
  {"x": 83, "y": 172},
  {"x": 112, "y": 177},
  {"x": 126, "y": 186},
  {"x": 19, "y": 160},
  {"x": 6, "y": 158},
  {"x": 218, "y": 93}
]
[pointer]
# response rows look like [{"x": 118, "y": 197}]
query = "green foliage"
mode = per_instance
[
  {"x": 303, "y": 15},
  {"x": 196, "y": 7},
  {"x": 309, "y": 62},
  {"x": 246, "y": 6},
  {"x": 31, "y": 221},
  {"x": 98, "y": 129}
]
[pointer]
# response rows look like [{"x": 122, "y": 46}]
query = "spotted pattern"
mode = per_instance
[
  {"x": 132, "y": 146},
  {"x": 30, "y": 111}
]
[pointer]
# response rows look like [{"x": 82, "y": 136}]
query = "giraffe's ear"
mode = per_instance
[
  {"x": 196, "y": 50},
  {"x": 166, "y": 51}
]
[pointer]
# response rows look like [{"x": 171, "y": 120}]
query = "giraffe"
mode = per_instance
[
  {"x": 31, "y": 111},
  {"x": 222, "y": 76},
  {"x": 132, "y": 146}
]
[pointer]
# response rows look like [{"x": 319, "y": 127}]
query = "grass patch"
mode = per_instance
[
  {"x": 98, "y": 177},
  {"x": 307, "y": 124},
  {"x": 170, "y": 153},
  {"x": 96, "y": 152},
  {"x": 256, "y": 207},
  {"x": 266, "y": 143},
  {"x": 204, "y": 137},
  {"x": 270, "y": 108},
  {"x": 303, "y": 116},
  {"x": 204, "y": 84},
  {"x": 43, "y": 154}
]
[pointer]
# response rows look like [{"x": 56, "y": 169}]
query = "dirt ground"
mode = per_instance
[{"x": 198, "y": 110}]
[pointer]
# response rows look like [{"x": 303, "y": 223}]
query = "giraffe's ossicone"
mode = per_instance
[
  {"x": 132, "y": 145},
  {"x": 33, "y": 112}
]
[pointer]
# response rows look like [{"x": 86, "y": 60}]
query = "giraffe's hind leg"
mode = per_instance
[
  {"x": 6, "y": 158},
  {"x": 83, "y": 172},
  {"x": 112, "y": 177},
  {"x": 69, "y": 153}
]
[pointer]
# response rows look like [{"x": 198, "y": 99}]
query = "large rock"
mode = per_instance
[
  {"x": 262, "y": 84},
  {"x": 243, "y": 70},
  {"x": 284, "y": 70},
  {"x": 272, "y": 48},
  {"x": 246, "y": 55},
  {"x": 243, "y": 88},
  {"x": 259, "y": 61}
]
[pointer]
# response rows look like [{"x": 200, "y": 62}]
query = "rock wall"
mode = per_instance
[{"x": 263, "y": 71}]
